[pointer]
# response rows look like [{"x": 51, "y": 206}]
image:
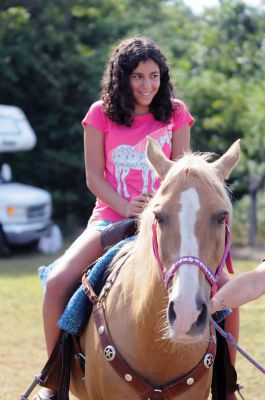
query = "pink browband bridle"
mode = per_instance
[{"x": 212, "y": 277}]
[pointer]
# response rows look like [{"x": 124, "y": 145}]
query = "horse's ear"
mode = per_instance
[
  {"x": 157, "y": 158},
  {"x": 225, "y": 164}
]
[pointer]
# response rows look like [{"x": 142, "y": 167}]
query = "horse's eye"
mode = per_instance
[
  {"x": 159, "y": 217},
  {"x": 221, "y": 218}
]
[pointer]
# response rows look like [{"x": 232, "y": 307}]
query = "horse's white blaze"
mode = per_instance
[{"x": 186, "y": 285}]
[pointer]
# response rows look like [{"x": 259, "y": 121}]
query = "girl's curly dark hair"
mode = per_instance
[{"x": 116, "y": 92}]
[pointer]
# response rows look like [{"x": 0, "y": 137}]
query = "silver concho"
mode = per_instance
[
  {"x": 208, "y": 360},
  {"x": 109, "y": 353},
  {"x": 128, "y": 377},
  {"x": 190, "y": 381}
]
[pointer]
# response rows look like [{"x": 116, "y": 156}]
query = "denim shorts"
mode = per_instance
[{"x": 98, "y": 224}]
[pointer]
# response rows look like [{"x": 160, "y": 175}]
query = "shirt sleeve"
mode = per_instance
[
  {"x": 96, "y": 117},
  {"x": 181, "y": 115}
]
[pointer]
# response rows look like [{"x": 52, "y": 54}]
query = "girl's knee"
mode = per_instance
[
  {"x": 53, "y": 287},
  {"x": 59, "y": 287}
]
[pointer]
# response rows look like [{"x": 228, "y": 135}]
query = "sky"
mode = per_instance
[{"x": 198, "y": 5}]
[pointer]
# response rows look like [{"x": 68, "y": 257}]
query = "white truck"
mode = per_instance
[{"x": 25, "y": 211}]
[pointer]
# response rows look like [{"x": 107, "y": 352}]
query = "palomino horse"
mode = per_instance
[{"x": 157, "y": 310}]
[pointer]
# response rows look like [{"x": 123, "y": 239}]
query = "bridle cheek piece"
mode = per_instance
[{"x": 212, "y": 277}]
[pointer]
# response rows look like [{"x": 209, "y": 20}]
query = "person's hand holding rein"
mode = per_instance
[{"x": 136, "y": 206}]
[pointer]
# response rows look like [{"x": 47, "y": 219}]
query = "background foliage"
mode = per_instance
[{"x": 52, "y": 56}]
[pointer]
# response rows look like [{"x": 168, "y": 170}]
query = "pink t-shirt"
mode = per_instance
[{"x": 126, "y": 166}]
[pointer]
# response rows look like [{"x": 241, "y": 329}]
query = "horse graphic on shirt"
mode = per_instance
[{"x": 125, "y": 158}]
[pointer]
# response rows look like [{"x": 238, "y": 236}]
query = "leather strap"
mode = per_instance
[
  {"x": 88, "y": 289},
  {"x": 145, "y": 389}
]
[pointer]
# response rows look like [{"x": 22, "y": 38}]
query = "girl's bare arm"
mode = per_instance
[
  {"x": 95, "y": 163},
  {"x": 240, "y": 290},
  {"x": 180, "y": 142}
]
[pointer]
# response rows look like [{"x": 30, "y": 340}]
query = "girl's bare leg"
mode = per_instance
[{"x": 63, "y": 280}]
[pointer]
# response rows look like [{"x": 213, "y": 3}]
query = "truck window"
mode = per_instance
[{"x": 8, "y": 127}]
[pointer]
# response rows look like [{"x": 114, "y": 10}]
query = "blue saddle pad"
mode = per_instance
[{"x": 79, "y": 307}]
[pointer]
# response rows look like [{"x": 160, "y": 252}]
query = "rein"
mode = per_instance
[
  {"x": 231, "y": 341},
  {"x": 212, "y": 277}
]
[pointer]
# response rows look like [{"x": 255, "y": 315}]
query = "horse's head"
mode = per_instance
[{"x": 189, "y": 214}]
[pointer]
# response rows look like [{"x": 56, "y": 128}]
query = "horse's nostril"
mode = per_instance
[
  {"x": 198, "y": 326},
  {"x": 203, "y": 315},
  {"x": 171, "y": 312}
]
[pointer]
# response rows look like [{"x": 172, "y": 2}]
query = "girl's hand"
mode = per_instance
[
  {"x": 217, "y": 305},
  {"x": 136, "y": 206}
]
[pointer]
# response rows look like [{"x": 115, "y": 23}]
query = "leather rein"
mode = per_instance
[{"x": 145, "y": 389}]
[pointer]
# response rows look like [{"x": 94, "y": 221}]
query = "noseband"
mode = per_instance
[{"x": 211, "y": 276}]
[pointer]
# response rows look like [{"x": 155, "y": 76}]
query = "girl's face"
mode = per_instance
[{"x": 145, "y": 82}]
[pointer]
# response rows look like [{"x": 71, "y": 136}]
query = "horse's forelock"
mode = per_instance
[
  {"x": 197, "y": 165},
  {"x": 192, "y": 164}
]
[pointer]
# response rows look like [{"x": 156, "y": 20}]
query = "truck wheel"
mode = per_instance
[{"x": 3, "y": 243}]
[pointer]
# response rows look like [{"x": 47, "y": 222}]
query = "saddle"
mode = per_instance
[{"x": 56, "y": 372}]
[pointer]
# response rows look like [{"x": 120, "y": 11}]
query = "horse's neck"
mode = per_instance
[{"x": 139, "y": 333}]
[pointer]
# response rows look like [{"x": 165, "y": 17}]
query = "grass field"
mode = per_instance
[{"x": 22, "y": 351}]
